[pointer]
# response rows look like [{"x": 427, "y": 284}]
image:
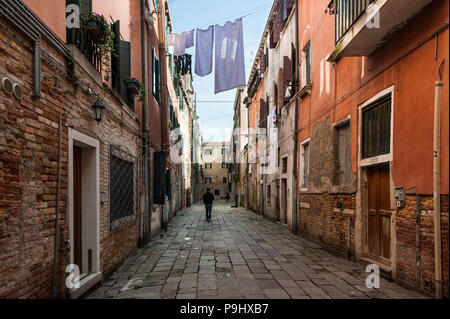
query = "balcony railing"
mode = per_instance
[
  {"x": 120, "y": 86},
  {"x": 86, "y": 44},
  {"x": 347, "y": 12}
]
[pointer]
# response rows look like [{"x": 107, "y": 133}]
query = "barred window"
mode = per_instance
[
  {"x": 376, "y": 128},
  {"x": 122, "y": 189}
]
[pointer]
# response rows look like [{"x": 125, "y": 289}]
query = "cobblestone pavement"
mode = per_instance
[{"x": 238, "y": 255}]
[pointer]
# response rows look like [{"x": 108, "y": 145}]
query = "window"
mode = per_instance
[
  {"x": 269, "y": 194},
  {"x": 122, "y": 188},
  {"x": 305, "y": 153},
  {"x": 224, "y": 151},
  {"x": 156, "y": 77},
  {"x": 208, "y": 165},
  {"x": 208, "y": 180},
  {"x": 376, "y": 128},
  {"x": 225, "y": 180},
  {"x": 306, "y": 65},
  {"x": 275, "y": 95},
  {"x": 342, "y": 153},
  {"x": 278, "y": 157},
  {"x": 285, "y": 165},
  {"x": 224, "y": 165},
  {"x": 208, "y": 151}
]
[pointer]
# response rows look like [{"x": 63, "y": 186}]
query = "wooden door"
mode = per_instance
[
  {"x": 379, "y": 214},
  {"x": 77, "y": 207}
]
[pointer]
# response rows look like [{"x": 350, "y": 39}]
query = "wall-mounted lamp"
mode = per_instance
[{"x": 98, "y": 110}]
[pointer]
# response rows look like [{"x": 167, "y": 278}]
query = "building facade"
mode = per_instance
[
  {"x": 84, "y": 163},
  {"x": 215, "y": 168},
  {"x": 352, "y": 114}
]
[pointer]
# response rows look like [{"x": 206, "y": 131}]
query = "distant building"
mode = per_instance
[{"x": 215, "y": 168}]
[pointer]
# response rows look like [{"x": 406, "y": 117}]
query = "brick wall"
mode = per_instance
[
  {"x": 319, "y": 218},
  {"x": 415, "y": 242},
  {"x": 28, "y": 168}
]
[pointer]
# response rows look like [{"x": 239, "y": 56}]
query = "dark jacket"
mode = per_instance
[{"x": 208, "y": 198}]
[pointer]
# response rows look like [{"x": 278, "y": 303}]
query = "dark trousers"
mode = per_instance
[{"x": 208, "y": 211}]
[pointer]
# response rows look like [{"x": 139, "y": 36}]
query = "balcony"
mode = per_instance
[
  {"x": 363, "y": 26},
  {"x": 86, "y": 44}
]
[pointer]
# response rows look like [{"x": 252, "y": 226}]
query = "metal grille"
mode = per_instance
[
  {"x": 123, "y": 195},
  {"x": 376, "y": 130}
]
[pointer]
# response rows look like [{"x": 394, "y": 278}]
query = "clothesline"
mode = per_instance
[{"x": 242, "y": 14}]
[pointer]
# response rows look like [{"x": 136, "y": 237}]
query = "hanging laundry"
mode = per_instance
[
  {"x": 230, "y": 62},
  {"x": 178, "y": 42},
  {"x": 189, "y": 39},
  {"x": 188, "y": 63},
  {"x": 204, "y": 43},
  {"x": 183, "y": 64}
]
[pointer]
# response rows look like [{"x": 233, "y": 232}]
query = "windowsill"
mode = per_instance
[{"x": 85, "y": 284}]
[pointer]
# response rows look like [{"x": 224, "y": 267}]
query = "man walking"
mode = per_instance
[{"x": 208, "y": 199}]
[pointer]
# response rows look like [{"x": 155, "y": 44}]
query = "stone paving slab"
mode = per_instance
[{"x": 239, "y": 255}]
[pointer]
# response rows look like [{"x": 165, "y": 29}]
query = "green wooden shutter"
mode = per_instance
[
  {"x": 125, "y": 59},
  {"x": 115, "y": 58},
  {"x": 181, "y": 99},
  {"x": 125, "y": 71},
  {"x": 84, "y": 5},
  {"x": 85, "y": 8},
  {"x": 158, "y": 81}
]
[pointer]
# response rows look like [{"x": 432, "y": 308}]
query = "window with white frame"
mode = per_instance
[
  {"x": 304, "y": 167},
  {"x": 376, "y": 128}
]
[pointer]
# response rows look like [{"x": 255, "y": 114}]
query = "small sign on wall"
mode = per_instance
[{"x": 305, "y": 205}]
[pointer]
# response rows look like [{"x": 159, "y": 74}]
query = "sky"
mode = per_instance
[{"x": 216, "y": 111}]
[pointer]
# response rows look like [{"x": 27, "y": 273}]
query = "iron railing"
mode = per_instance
[
  {"x": 347, "y": 12},
  {"x": 86, "y": 44},
  {"x": 122, "y": 188}
]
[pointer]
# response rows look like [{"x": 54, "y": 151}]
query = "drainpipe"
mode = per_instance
[
  {"x": 146, "y": 137},
  {"x": 58, "y": 195},
  {"x": 296, "y": 85},
  {"x": 437, "y": 183}
]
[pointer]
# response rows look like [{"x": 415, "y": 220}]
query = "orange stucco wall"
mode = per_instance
[
  {"x": 338, "y": 90},
  {"x": 52, "y": 13}
]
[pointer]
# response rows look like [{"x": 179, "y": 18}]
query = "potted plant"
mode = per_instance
[
  {"x": 132, "y": 85},
  {"x": 136, "y": 87},
  {"x": 94, "y": 27}
]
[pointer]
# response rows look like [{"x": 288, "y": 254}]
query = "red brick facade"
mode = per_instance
[
  {"x": 328, "y": 219},
  {"x": 28, "y": 168},
  {"x": 415, "y": 242}
]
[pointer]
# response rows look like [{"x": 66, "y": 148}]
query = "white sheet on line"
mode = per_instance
[
  {"x": 204, "y": 44},
  {"x": 230, "y": 61}
]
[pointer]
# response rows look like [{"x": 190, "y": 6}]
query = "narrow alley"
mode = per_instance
[{"x": 238, "y": 255}]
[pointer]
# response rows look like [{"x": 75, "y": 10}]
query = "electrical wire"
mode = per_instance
[{"x": 243, "y": 14}]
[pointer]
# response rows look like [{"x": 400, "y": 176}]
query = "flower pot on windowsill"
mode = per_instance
[
  {"x": 132, "y": 86},
  {"x": 94, "y": 30}
]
